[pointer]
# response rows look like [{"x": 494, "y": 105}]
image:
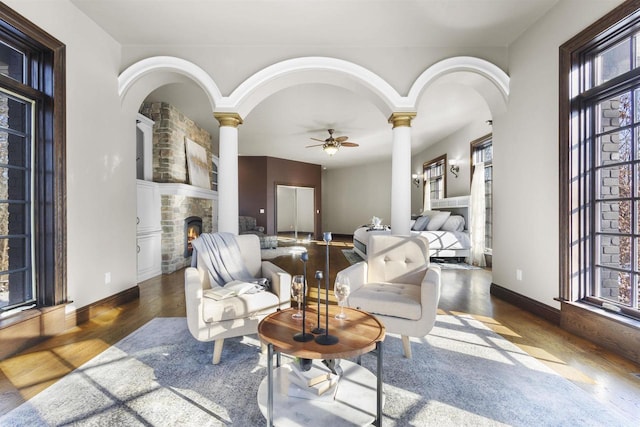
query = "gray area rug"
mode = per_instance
[
  {"x": 455, "y": 265},
  {"x": 351, "y": 256},
  {"x": 461, "y": 374},
  {"x": 281, "y": 251}
]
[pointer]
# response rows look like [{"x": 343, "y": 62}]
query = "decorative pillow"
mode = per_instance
[
  {"x": 420, "y": 223},
  {"x": 436, "y": 219},
  {"x": 453, "y": 223}
]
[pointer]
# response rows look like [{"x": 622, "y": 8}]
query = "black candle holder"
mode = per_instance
[
  {"x": 318, "y": 329},
  {"x": 304, "y": 336},
  {"x": 326, "y": 339}
]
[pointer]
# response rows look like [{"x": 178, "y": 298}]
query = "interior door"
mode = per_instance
[{"x": 295, "y": 210}]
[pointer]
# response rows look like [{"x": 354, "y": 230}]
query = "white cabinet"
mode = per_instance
[
  {"x": 148, "y": 231},
  {"x": 148, "y": 219},
  {"x": 148, "y": 256}
]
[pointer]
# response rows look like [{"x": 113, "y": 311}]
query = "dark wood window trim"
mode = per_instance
[
  {"x": 588, "y": 321},
  {"x": 425, "y": 165},
  {"x": 472, "y": 146},
  {"x": 47, "y": 79}
]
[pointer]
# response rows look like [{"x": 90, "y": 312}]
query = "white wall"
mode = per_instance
[
  {"x": 101, "y": 202},
  {"x": 455, "y": 146},
  {"x": 525, "y": 143},
  {"x": 101, "y": 198},
  {"x": 351, "y": 196}
]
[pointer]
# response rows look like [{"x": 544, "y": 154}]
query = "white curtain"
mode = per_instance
[
  {"x": 426, "y": 205},
  {"x": 477, "y": 214}
]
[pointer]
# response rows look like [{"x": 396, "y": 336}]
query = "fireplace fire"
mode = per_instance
[{"x": 192, "y": 229}]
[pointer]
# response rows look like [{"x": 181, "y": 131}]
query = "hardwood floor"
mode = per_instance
[{"x": 606, "y": 376}]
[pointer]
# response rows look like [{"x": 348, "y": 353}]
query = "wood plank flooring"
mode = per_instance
[{"x": 606, "y": 376}]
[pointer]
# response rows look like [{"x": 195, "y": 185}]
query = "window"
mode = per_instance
[
  {"x": 482, "y": 151},
  {"x": 600, "y": 180},
  {"x": 435, "y": 178},
  {"x": 214, "y": 178},
  {"x": 32, "y": 227},
  {"x": 16, "y": 285}
]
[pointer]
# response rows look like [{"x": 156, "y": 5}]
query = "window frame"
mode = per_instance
[
  {"x": 426, "y": 165},
  {"x": 475, "y": 145},
  {"x": 44, "y": 81},
  {"x": 577, "y": 228},
  {"x": 26, "y": 233}
]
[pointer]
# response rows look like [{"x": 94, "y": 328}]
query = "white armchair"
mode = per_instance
[
  {"x": 397, "y": 285},
  {"x": 212, "y": 320}
]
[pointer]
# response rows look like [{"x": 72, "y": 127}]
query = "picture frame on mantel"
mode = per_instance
[{"x": 197, "y": 164}]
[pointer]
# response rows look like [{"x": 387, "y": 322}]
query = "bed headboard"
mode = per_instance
[{"x": 456, "y": 205}]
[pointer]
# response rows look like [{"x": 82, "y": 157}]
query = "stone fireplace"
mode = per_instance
[
  {"x": 192, "y": 229},
  {"x": 180, "y": 202}
]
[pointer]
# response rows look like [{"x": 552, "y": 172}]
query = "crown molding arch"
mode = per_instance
[
  {"x": 141, "y": 78},
  {"x": 483, "y": 76},
  {"x": 146, "y": 75},
  {"x": 308, "y": 70}
]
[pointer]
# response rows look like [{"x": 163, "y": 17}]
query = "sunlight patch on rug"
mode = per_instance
[
  {"x": 282, "y": 251},
  {"x": 462, "y": 373}
]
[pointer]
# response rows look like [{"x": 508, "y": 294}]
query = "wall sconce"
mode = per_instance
[
  {"x": 453, "y": 167},
  {"x": 416, "y": 179}
]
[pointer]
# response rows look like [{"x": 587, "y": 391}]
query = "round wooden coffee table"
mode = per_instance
[{"x": 360, "y": 333}]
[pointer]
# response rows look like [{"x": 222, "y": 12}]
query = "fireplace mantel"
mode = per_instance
[
  {"x": 173, "y": 203},
  {"x": 177, "y": 189}
]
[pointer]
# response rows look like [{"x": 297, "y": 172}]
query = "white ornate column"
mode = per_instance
[
  {"x": 401, "y": 173},
  {"x": 228, "y": 172}
]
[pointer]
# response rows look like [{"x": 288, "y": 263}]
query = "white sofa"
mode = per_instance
[
  {"x": 211, "y": 320},
  {"x": 397, "y": 285}
]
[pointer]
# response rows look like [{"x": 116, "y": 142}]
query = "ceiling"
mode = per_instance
[{"x": 282, "y": 125}]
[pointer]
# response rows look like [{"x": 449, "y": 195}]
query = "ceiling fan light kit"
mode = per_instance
[
  {"x": 331, "y": 145},
  {"x": 330, "y": 149}
]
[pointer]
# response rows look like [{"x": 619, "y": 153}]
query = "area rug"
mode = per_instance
[
  {"x": 282, "y": 251},
  {"x": 455, "y": 265},
  {"x": 461, "y": 374},
  {"x": 351, "y": 256}
]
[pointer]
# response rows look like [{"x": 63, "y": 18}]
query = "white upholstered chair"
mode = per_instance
[
  {"x": 397, "y": 285},
  {"x": 211, "y": 320}
]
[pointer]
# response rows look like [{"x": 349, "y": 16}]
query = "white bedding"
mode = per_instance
[{"x": 441, "y": 243}]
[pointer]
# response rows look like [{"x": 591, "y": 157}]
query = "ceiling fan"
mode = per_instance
[{"x": 331, "y": 144}]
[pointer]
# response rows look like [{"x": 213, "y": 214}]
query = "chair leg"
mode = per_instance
[
  {"x": 406, "y": 345},
  {"x": 217, "y": 350}
]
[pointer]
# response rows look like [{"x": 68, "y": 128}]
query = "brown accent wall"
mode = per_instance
[
  {"x": 252, "y": 188},
  {"x": 258, "y": 177}
]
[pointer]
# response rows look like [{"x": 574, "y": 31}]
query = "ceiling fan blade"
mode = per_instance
[
  {"x": 341, "y": 138},
  {"x": 316, "y": 139},
  {"x": 349, "y": 144},
  {"x": 314, "y": 145}
]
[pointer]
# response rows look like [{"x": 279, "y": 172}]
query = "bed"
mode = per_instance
[{"x": 449, "y": 240}]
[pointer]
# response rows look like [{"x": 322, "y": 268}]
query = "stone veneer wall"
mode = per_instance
[
  {"x": 169, "y": 132},
  {"x": 174, "y": 211},
  {"x": 170, "y": 166}
]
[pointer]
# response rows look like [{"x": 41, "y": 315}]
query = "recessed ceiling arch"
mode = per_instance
[
  {"x": 146, "y": 75},
  {"x": 483, "y": 76},
  {"x": 141, "y": 78}
]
